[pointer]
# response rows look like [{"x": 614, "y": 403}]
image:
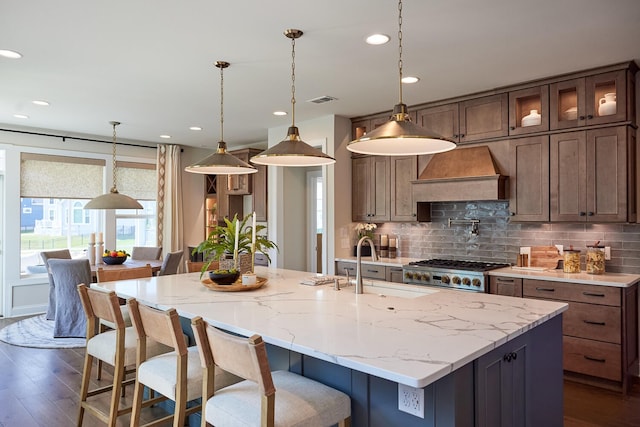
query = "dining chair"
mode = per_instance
[
  {"x": 46, "y": 256},
  {"x": 176, "y": 375},
  {"x": 170, "y": 263},
  {"x": 69, "y": 318},
  {"x": 110, "y": 275},
  {"x": 264, "y": 398},
  {"x": 116, "y": 347},
  {"x": 146, "y": 252},
  {"x": 196, "y": 266}
]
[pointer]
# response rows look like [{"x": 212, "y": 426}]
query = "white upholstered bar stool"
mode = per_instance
[
  {"x": 176, "y": 375},
  {"x": 265, "y": 398},
  {"x": 116, "y": 347}
]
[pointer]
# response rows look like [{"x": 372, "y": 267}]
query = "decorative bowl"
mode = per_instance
[
  {"x": 114, "y": 260},
  {"x": 224, "y": 278}
]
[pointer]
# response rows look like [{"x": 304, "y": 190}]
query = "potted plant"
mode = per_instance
[{"x": 220, "y": 244}]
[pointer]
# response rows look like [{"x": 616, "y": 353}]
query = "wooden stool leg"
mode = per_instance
[
  {"x": 84, "y": 387},
  {"x": 136, "y": 405}
]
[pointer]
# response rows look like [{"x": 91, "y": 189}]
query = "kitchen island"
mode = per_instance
[{"x": 452, "y": 347}]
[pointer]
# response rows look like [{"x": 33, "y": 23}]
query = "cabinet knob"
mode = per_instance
[
  {"x": 512, "y": 127},
  {"x": 582, "y": 117},
  {"x": 589, "y": 116},
  {"x": 456, "y": 136},
  {"x": 462, "y": 135},
  {"x": 512, "y": 214},
  {"x": 582, "y": 214},
  {"x": 590, "y": 214}
]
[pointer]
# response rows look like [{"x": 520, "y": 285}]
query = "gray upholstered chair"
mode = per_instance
[
  {"x": 70, "y": 320},
  {"x": 146, "y": 252},
  {"x": 170, "y": 263},
  {"x": 46, "y": 256}
]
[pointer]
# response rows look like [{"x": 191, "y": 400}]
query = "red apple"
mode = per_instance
[{"x": 114, "y": 254}]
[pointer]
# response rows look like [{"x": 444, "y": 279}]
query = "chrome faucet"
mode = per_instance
[{"x": 359, "y": 261}]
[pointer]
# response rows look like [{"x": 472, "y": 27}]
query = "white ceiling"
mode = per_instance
[{"x": 149, "y": 64}]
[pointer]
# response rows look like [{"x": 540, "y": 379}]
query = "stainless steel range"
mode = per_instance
[{"x": 464, "y": 275}]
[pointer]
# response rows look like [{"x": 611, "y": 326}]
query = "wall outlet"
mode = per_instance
[
  {"x": 411, "y": 400},
  {"x": 560, "y": 249},
  {"x": 607, "y": 253}
]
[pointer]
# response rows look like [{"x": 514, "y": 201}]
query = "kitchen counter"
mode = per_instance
[
  {"x": 414, "y": 340},
  {"x": 387, "y": 262},
  {"x": 608, "y": 279}
]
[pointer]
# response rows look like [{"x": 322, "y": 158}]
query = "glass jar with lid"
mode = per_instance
[
  {"x": 571, "y": 262},
  {"x": 595, "y": 259}
]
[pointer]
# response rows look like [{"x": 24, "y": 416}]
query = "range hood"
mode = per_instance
[{"x": 459, "y": 175}]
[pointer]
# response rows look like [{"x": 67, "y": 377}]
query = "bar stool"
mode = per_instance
[
  {"x": 265, "y": 398},
  {"x": 176, "y": 375},
  {"x": 116, "y": 347}
]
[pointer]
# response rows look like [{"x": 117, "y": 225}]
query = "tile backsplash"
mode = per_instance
[{"x": 499, "y": 240}]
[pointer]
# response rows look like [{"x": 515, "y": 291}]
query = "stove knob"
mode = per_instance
[
  {"x": 476, "y": 282},
  {"x": 425, "y": 277},
  {"x": 445, "y": 279},
  {"x": 456, "y": 280},
  {"x": 408, "y": 275},
  {"x": 466, "y": 281}
]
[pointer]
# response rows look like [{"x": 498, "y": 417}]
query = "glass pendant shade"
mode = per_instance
[
  {"x": 113, "y": 199},
  {"x": 221, "y": 162},
  {"x": 398, "y": 136},
  {"x": 293, "y": 151}
]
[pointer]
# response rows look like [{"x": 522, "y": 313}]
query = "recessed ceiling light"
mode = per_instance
[
  {"x": 20, "y": 116},
  {"x": 165, "y": 136},
  {"x": 41, "y": 103},
  {"x": 11, "y": 54},
  {"x": 195, "y": 128},
  {"x": 377, "y": 39},
  {"x": 279, "y": 113},
  {"x": 410, "y": 79}
]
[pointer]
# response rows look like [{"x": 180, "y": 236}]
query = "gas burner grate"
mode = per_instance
[{"x": 458, "y": 264}]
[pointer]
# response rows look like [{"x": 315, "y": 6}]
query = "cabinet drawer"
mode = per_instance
[
  {"x": 596, "y": 322},
  {"x": 599, "y": 359},
  {"x": 509, "y": 286},
  {"x": 369, "y": 271},
  {"x": 605, "y": 295}
]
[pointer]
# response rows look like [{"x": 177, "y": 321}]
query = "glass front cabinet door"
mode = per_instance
[{"x": 529, "y": 110}]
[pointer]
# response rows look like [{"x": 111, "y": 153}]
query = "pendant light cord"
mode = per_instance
[
  {"x": 114, "y": 189},
  {"x": 221, "y": 103},
  {"x": 400, "y": 46},
  {"x": 293, "y": 81}
]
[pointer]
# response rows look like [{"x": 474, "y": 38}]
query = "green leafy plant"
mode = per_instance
[{"x": 221, "y": 241}]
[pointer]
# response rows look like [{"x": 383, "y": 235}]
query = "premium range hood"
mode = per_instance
[{"x": 459, "y": 175}]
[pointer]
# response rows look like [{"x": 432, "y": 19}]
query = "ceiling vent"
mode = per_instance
[{"x": 322, "y": 99}]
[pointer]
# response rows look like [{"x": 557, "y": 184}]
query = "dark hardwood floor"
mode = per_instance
[{"x": 39, "y": 387}]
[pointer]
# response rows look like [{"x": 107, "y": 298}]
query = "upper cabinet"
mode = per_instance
[
  {"x": 529, "y": 179},
  {"x": 404, "y": 169},
  {"x": 370, "y": 188},
  {"x": 592, "y": 100},
  {"x": 529, "y": 110},
  {"x": 468, "y": 121}
]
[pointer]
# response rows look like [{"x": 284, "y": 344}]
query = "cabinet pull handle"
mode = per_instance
[
  {"x": 501, "y": 280},
  {"x": 512, "y": 128},
  {"x": 372, "y": 271},
  {"x": 545, "y": 289},
  {"x": 510, "y": 356},
  {"x": 589, "y": 116},
  {"x": 590, "y": 213},
  {"x": 591, "y": 322},
  {"x": 593, "y": 294},
  {"x": 595, "y": 359}
]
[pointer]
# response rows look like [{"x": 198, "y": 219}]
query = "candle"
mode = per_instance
[
  {"x": 253, "y": 234},
  {"x": 384, "y": 240},
  {"x": 92, "y": 238},
  {"x": 100, "y": 237},
  {"x": 392, "y": 242},
  {"x": 235, "y": 249}
]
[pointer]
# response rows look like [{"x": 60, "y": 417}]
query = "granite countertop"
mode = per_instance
[
  {"x": 415, "y": 339},
  {"x": 620, "y": 280}
]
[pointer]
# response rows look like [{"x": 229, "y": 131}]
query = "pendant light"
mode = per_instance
[
  {"x": 398, "y": 136},
  {"x": 113, "y": 199},
  {"x": 221, "y": 162},
  {"x": 292, "y": 151}
]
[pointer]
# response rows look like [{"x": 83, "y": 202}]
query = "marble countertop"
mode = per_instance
[
  {"x": 415, "y": 339},
  {"x": 607, "y": 279}
]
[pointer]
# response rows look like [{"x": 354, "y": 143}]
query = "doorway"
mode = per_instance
[{"x": 315, "y": 220}]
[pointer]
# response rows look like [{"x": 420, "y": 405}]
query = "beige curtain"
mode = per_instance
[{"x": 170, "y": 218}]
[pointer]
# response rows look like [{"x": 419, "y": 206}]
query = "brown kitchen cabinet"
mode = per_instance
[
  {"x": 403, "y": 170},
  {"x": 508, "y": 286},
  {"x": 370, "y": 188},
  {"x": 591, "y": 175},
  {"x": 593, "y": 100},
  {"x": 467, "y": 121},
  {"x": 523, "y": 105},
  {"x": 361, "y": 126},
  {"x": 370, "y": 271},
  {"x": 240, "y": 185},
  {"x": 529, "y": 179},
  {"x": 600, "y": 330}
]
